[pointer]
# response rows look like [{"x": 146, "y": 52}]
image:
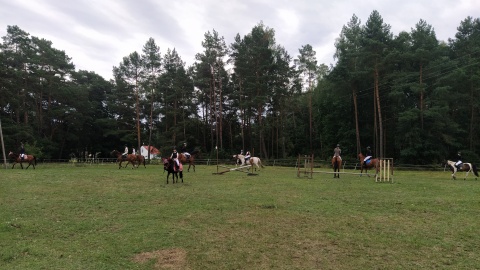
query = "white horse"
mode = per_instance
[{"x": 253, "y": 161}]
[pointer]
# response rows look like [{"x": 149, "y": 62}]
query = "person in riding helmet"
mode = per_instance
[
  {"x": 184, "y": 150},
  {"x": 368, "y": 153},
  {"x": 337, "y": 152},
  {"x": 174, "y": 156},
  {"x": 125, "y": 152},
  {"x": 22, "y": 151},
  {"x": 459, "y": 162},
  {"x": 247, "y": 156}
]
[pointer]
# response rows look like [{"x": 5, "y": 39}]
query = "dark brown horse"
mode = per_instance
[
  {"x": 169, "y": 166},
  {"x": 130, "y": 158},
  {"x": 191, "y": 161},
  {"x": 336, "y": 164},
  {"x": 371, "y": 163},
  {"x": 26, "y": 158}
]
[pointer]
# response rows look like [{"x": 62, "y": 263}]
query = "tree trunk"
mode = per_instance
[
  {"x": 357, "y": 129},
  {"x": 380, "y": 124}
]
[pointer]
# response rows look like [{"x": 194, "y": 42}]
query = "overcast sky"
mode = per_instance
[{"x": 97, "y": 34}]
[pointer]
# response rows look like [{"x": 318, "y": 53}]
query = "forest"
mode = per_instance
[{"x": 409, "y": 96}]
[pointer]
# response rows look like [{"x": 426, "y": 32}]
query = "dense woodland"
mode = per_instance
[{"x": 410, "y": 96}]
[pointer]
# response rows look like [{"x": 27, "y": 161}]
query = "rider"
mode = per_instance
[
  {"x": 125, "y": 152},
  {"x": 368, "y": 154},
  {"x": 184, "y": 150},
  {"x": 337, "y": 152},
  {"x": 174, "y": 156},
  {"x": 133, "y": 151},
  {"x": 247, "y": 156},
  {"x": 22, "y": 150},
  {"x": 459, "y": 162}
]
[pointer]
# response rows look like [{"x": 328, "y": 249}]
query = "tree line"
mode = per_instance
[{"x": 408, "y": 96}]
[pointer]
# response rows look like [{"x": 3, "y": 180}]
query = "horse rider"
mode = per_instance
[
  {"x": 133, "y": 151},
  {"x": 22, "y": 150},
  {"x": 337, "y": 152},
  {"x": 184, "y": 151},
  {"x": 459, "y": 162},
  {"x": 125, "y": 152},
  {"x": 368, "y": 154},
  {"x": 174, "y": 156},
  {"x": 247, "y": 156}
]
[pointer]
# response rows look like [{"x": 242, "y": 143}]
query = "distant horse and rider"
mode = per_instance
[
  {"x": 336, "y": 164},
  {"x": 372, "y": 163},
  {"x": 17, "y": 158},
  {"x": 130, "y": 158},
  {"x": 169, "y": 165},
  {"x": 463, "y": 167},
  {"x": 251, "y": 161},
  {"x": 337, "y": 161}
]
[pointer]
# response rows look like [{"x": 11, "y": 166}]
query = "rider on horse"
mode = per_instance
[
  {"x": 337, "y": 152},
  {"x": 368, "y": 156},
  {"x": 125, "y": 152},
  {"x": 184, "y": 151},
  {"x": 459, "y": 162},
  {"x": 247, "y": 156},
  {"x": 174, "y": 156},
  {"x": 22, "y": 151}
]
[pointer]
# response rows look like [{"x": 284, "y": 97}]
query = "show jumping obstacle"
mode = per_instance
[
  {"x": 385, "y": 173},
  {"x": 305, "y": 165},
  {"x": 244, "y": 169}
]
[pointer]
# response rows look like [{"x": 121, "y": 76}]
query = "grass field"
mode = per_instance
[{"x": 100, "y": 217}]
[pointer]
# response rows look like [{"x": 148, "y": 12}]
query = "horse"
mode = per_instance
[
  {"x": 336, "y": 164},
  {"x": 169, "y": 166},
  {"x": 130, "y": 158},
  {"x": 141, "y": 160},
  {"x": 371, "y": 163},
  {"x": 253, "y": 161},
  {"x": 26, "y": 158},
  {"x": 466, "y": 167},
  {"x": 191, "y": 161}
]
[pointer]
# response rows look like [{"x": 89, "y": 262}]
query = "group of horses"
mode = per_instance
[
  {"x": 169, "y": 164},
  {"x": 374, "y": 163}
]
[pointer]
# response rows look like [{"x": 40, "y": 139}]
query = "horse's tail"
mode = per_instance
[
  {"x": 474, "y": 168},
  {"x": 35, "y": 161},
  {"x": 195, "y": 152},
  {"x": 261, "y": 164}
]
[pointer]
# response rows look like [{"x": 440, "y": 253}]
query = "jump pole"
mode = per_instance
[
  {"x": 307, "y": 166},
  {"x": 385, "y": 173}
]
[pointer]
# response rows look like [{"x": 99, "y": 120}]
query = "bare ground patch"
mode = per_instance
[{"x": 174, "y": 258}]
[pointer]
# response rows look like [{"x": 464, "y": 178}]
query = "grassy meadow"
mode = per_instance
[{"x": 100, "y": 217}]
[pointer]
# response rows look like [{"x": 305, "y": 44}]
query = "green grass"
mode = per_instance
[{"x": 100, "y": 217}]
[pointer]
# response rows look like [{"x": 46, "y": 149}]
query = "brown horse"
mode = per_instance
[
  {"x": 191, "y": 161},
  {"x": 141, "y": 160},
  {"x": 336, "y": 164},
  {"x": 371, "y": 163},
  {"x": 169, "y": 166},
  {"x": 26, "y": 158},
  {"x": 131, "y": 158}
]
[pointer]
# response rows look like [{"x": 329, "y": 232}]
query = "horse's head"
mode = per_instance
[
  {"x": 12, "y": 155},
  {"x": 361, "y": 156}
]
